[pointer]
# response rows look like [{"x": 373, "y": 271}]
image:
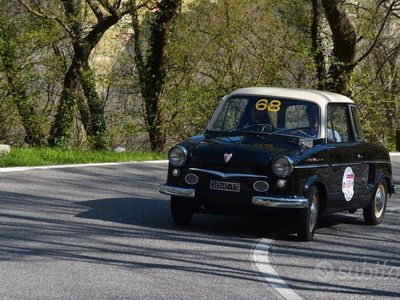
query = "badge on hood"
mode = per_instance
[{"x": 227, "y": 157}]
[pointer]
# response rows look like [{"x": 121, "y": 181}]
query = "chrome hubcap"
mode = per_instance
[
  {"x": 380, "y": 199},
  {"x": 313, "y": 216}
]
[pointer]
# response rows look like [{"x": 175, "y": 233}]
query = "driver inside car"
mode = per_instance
[{"x": 254, "y": 117}]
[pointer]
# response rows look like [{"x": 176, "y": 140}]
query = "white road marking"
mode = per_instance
[
  {"x": 20, "y": 169},
  {"x": 261, "y": 259}
]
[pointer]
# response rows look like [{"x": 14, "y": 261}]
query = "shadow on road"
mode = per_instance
[
  {"x": 155, "y": 213},
  {"x": 143, "y": 236}
]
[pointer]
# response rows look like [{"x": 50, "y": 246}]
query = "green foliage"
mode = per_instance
[
  {"x": 96, "y": 127},
  {"x": 214, "y": 47},
  {"x": 219, "y": 46},
  {"x": 61, "y": 129},
  {"x": 23, "y": 43},
  {"x": 56, "y": 156}
]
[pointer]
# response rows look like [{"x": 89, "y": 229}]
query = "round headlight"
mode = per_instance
[
  {"x": 282, "y": 166},
  {"x": 177, "y": 156}
]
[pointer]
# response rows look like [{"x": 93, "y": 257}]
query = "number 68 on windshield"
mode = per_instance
[{"x": 270, "y": 105}]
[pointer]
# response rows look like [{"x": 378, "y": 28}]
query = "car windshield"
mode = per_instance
[{"x": 268, "y": 114}]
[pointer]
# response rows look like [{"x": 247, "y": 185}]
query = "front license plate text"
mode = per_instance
[{"x": 225, "y": 186}]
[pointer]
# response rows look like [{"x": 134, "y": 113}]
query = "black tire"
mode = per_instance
[
  {"x": 181, "y": 210},
  {"x": 308, "y": 217},
  {"x": 374, "y": 213}
]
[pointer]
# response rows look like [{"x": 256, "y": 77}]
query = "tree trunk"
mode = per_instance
[
  {"x": 96, "y": 123},
  {"x": 30, "y": 121},
  {"x": 61, "y": 127},
  {"x": 152, "y": 72},
  {"x": 316, "y": 45},
  {"x": 93, "y": 114},
  {"x": 25, "y": 106},
  {"x": 344, "y": 37}
]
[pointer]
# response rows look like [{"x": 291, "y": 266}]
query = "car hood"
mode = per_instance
[{"x": 250, "y": 154}]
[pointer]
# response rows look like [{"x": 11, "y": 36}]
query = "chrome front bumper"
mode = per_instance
[
  {"x": 176, "y": 191},
  {"x": 280, "y": 202},
  {"x": 266, "y": 201}
]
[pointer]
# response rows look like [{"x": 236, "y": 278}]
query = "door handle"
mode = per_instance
[{"x": 360, "y": 156}]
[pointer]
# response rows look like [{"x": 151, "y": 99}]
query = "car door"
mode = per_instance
[
  {"x": 361, "y": 152},
  {"x": 347, "y": 172}
]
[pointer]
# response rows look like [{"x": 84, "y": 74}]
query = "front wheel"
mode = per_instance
[
  {"x": 181, "y": 210},
  {"x": 375, "y": 211},
  {"x": 308, "y": 217}
]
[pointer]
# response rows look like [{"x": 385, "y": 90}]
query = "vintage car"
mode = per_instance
[{"x": 280, "y": 149}]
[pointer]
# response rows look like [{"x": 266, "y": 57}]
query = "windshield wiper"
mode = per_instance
[
  {"x": 299, "y": 129},
  {"x": 219, "y": 133},
  {"x": 259, "y": 134},
  {"x": 263, "y": 126}
]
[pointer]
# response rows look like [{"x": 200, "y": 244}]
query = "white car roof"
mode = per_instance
[{"x": 322, "y": 98}]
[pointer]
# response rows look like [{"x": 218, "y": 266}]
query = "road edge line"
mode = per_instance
[
  {"x": 260, "y": 257},
  {"x": 21, "y": 169}
]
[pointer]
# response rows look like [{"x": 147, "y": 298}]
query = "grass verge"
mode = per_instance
[{"x": 48, "y": 156}]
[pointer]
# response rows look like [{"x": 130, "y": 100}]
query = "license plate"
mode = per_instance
[{"x": 224, "y": 186}]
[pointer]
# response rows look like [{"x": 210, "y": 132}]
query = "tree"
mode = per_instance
[
  {"x": 151, "y": 65},
  {"x": 317, "y": 44},
  {"x": 15, "y": 33},
  {"x": 85, "y": 34},
  {"x": 218, "y": 46},
  {"x": 344, "y": 37}
]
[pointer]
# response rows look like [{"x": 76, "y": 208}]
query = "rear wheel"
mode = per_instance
[
  {"x": 308, "y": 217},
  {"x": 181, "y": 210},
  {"x": 375, "y": 211}
]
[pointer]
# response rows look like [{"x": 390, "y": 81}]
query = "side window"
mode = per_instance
[
  {"x": 338, "y": 127},
  {"x": 357, "y": 124},
  {"x": 231, "y": 113}
]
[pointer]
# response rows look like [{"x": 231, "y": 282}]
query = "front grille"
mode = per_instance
[{"x": 226, "y": 169}]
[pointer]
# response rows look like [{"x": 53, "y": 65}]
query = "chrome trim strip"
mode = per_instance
[
  {"x": 177, "y": 191},
  {"x": 315, "y": 166},
  {"x": 280, "y": 202},
  {"x": 226, "y": 175},
  {"x": 376, "y": 162},
  {"x": 346, "y": 165}
]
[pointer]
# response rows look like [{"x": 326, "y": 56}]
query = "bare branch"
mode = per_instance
[
  {"x": 96, "y": 9},
  {"x": 109, "y": 8},
  {"x": 388, "y": 13},
  {"x": 392, "y": 54},
  {"x": 131, "y": 6},
  {"x": 47, "y": 17},
  {"x": 117, "y": 4}
]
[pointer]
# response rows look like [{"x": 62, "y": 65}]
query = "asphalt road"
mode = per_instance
[{"x": 106, "y": 233}]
